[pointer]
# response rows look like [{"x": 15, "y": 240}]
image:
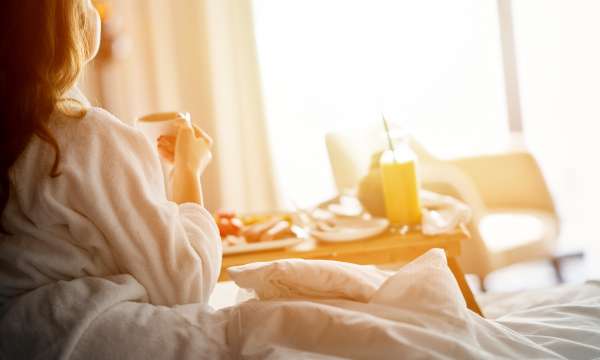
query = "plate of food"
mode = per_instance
[{"x": 241, "y": 234}]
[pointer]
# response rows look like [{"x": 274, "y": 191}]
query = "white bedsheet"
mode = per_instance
[{"x": 416, "y": 313}]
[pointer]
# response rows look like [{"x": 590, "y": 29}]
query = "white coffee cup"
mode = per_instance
[{"x": 165, "y": 124}]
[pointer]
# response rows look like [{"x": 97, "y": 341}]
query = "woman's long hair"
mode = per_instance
[{"x": 43, "y": 48}]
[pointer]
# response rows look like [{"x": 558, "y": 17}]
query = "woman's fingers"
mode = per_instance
[
  {"x": 167, "y": 142},
  {"x": 203, "y": 135},
  {"x": 185, "y": 133},
  {"x": 191, "y": 150},
  {"x": 166, "y": 147},
  {"x": 170, "y": 157},
  {"x": 196, "y": 133},
  {"x": 189, "y": 142}
]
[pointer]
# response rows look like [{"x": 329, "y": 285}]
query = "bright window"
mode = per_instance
[
  {"x": 558, "y": 60},
  {"x": 433, "y": 66}
]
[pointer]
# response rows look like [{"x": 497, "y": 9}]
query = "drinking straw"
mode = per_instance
[{"x": 387, "y": 133}]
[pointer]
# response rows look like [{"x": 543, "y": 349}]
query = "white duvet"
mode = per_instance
[{"x": 415, "y": 313}]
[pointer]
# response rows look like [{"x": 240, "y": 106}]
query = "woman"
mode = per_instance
[{"x": 82, "y": 193}]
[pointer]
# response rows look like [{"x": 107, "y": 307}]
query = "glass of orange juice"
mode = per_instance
[{"x": 401, "y": 186}]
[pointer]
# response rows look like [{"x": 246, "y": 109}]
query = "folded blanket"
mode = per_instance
[{"x": 323, "y": 307}]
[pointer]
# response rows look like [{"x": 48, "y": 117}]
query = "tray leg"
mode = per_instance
[{"x": 464, "y": 287}]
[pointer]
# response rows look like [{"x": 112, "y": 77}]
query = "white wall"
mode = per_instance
[{"x": 558, "y": 54}]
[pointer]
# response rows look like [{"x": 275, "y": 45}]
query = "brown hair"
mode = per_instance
[{"x": 43, "y": 48}]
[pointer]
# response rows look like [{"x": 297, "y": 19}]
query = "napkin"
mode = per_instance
[{"x": 442, "y": 213}]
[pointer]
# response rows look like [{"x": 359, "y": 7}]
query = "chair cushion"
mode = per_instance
[{"x": 508, "y": 230}]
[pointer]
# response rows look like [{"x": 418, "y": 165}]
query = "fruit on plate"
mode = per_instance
[
  {"x": 237, "y": 230},
  {"x": 228, "y": 223}
]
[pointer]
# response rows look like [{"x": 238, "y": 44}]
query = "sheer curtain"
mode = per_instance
[{"x": 197, "y": 56}]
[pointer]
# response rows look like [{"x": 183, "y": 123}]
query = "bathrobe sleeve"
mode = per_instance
[{"x": 113, "y": 178}]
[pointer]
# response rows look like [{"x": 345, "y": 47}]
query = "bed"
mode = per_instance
[{"x": 306, "y": 309}]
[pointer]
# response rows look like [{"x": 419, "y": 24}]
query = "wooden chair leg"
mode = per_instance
[
  {"x": 557, "y": 262},
  {"x": 556, "y": 265},
  {"x": 464, "y": 287},
  {"x": 482, "y": 286}
]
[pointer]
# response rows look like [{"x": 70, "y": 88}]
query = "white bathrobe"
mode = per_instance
[{"x": 106, "y": 214}]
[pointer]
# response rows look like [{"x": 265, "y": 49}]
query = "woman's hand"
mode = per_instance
[
  {"x": 190, "y": 152},
  {"x": 190, "y": 149},
  {"x": 166, "y": 147}
]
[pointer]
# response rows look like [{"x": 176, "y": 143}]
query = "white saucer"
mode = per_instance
[{"x": 344, "y": 230}]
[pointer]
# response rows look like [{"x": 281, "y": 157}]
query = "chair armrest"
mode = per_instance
[
  {"x": 448, "y": 179},
  {"x": 508, "y": 180}
]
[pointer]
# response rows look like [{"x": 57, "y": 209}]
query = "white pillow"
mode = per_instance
[
  {"x": 298, "y": 278},
  {"x": 424, "y": 284}
]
